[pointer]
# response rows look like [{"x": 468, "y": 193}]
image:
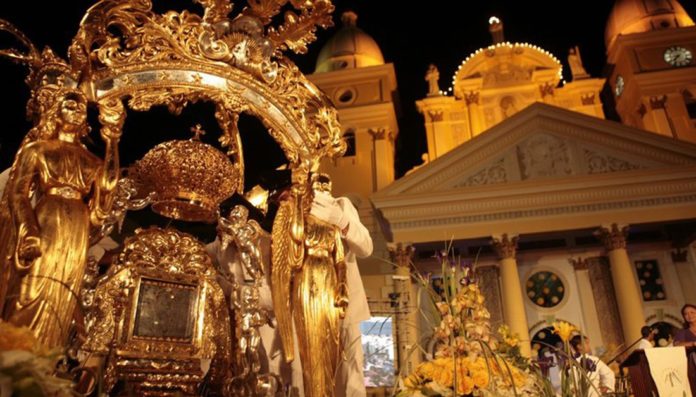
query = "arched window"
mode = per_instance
[{"x": 349, "y": 137}]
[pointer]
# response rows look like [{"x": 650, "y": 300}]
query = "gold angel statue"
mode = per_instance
[
  {"x": 316, "y": 282},
  {"x": 44, "y": 260}
]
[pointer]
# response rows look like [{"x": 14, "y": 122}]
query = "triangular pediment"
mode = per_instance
[
  {"x": 544, "y": 169},
  {"x": 544, "y": 142},
  {"x": 543, "y": 155}
]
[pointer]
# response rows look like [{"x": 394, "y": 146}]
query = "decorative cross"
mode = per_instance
[{"x": 197, "y": 131}]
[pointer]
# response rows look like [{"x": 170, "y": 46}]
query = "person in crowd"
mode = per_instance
[
  {"x": 687, "y": 336},
  {"x": 648, "y": 338},
  {"x": 601, "y": 377}
]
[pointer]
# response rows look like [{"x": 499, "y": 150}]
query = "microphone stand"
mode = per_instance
[{"x": 621, "y": 353}]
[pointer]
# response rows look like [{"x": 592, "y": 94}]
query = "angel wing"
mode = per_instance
[{"x": 287, "y": 255}]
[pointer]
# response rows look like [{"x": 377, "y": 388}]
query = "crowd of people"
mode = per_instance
[{"x": 552, "y": 360}]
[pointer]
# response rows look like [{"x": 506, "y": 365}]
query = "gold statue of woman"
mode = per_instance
[
  {"x": 309, "y": 289},
  {"x": 47, "y": 253}
]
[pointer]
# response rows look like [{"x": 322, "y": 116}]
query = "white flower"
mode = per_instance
[{"x": 10, "y": 358}]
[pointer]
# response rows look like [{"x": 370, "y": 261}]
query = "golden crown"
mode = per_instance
[{"x": 190, "y": 179}]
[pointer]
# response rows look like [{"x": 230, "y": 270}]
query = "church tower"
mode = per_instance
[
  {"x": 651, "y": 46},
  {"x": 351, "y": 70}
]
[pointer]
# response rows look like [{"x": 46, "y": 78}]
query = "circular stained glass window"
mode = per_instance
[{"x": 545, "y": 289}]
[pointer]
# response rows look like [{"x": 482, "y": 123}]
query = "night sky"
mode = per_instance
[{"x": 411, "y": 35}]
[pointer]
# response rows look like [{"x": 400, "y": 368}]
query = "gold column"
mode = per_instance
[
  {"x": 513, "y": 300},
  {"x": 407, "y": 319},
  {"x": 625, "y": 285},
  {"x": 680, "y": 258},
  {"x": 588, "y": 308}
]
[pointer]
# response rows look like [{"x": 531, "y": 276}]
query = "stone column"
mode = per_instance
[
  {"x": 476, "y": 124},
  {"x": 489, "y": 283},
  {"x": 587, "y": 301},
  {"x": 382, "y": 158},
  {"x": 513, "y": 299},
  {"x": 680, "y": 258},
  {"x": 656, "y": 118},
  {"x": 407, "y": 318},
  {"x": 625, "y": 286}
]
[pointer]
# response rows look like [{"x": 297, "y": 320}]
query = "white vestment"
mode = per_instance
[{"x": 349, "y": 380}]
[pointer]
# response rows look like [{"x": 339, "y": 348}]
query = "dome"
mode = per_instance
[
  {"x": 349, "y": 48},
  {"x": 636, "y": 16}
]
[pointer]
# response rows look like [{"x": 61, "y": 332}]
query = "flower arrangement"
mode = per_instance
[
  {"x": 468, "y": 359},
  {"x": 26, "y": 369},
  {"x": 577, "y": 370}
]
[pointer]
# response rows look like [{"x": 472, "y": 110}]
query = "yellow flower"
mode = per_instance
[
  {"x": 480, "y": 379},
  {"x": 444, "y": 376},
  {"x": 412, "y": 381},
  {"x": 465, "y": 385},
  {"x": 564, "y": 330},
  {"x": 443, "y": 308},
  {"x": 16, "y": 338},
  {"x": 426, "y": 370}
]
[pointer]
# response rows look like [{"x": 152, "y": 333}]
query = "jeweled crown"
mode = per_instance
[{"x": 190, "y": 179}]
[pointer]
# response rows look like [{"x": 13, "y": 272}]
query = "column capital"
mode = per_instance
[
  {"x": 658, "y": 101},
  {"x": 382, "y": 133},
  {"x": 436, "y": 115},
  {"x": 505, "y": 245},
  {"x": 613, "y": 236},
  {"x": 680, "y": 255},
  {"x": 401, "y": 254},
  {"x": 579, "y": 263},
  {"x": 546, "y": 89},
  {"x": 471, "y": 98}
]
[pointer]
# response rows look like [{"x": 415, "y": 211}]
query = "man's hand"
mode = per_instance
[{"x": 325, "y": 208}]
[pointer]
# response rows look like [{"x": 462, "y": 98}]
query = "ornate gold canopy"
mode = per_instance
[
  {"x": 126, "y": 55},
  {"x": 124, "y": 50}
]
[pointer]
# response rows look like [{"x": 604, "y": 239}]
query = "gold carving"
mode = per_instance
[
  {"x": 249, "y": 316},
  {"x": 125, "y": 53},
  {"x": 613, "y": 237},
  {"x": 505, "y": 245},
  {"x": 45, "y": 254},
  {"x": 287, "y": 251},
  {"x": 178, "y": 58},
  {"x": 308, "y": 260},
  {"x": 189, "y": 178},
  {"x": 158, "y": 314}
]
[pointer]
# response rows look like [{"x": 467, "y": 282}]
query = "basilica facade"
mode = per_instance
[{"x": 567, "y": 215}]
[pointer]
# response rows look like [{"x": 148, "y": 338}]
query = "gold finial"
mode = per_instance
[{"x": 197, "y": 132}]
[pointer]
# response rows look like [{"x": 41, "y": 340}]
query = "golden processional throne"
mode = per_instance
[{"x": 159, "y": 317}]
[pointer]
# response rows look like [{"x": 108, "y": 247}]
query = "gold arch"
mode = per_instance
[{"x": 124, "y": 50}]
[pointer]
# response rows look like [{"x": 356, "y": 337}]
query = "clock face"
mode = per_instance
[
  {"x": 678, "y": 56},
  {"x": 619, "y": 86}
]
